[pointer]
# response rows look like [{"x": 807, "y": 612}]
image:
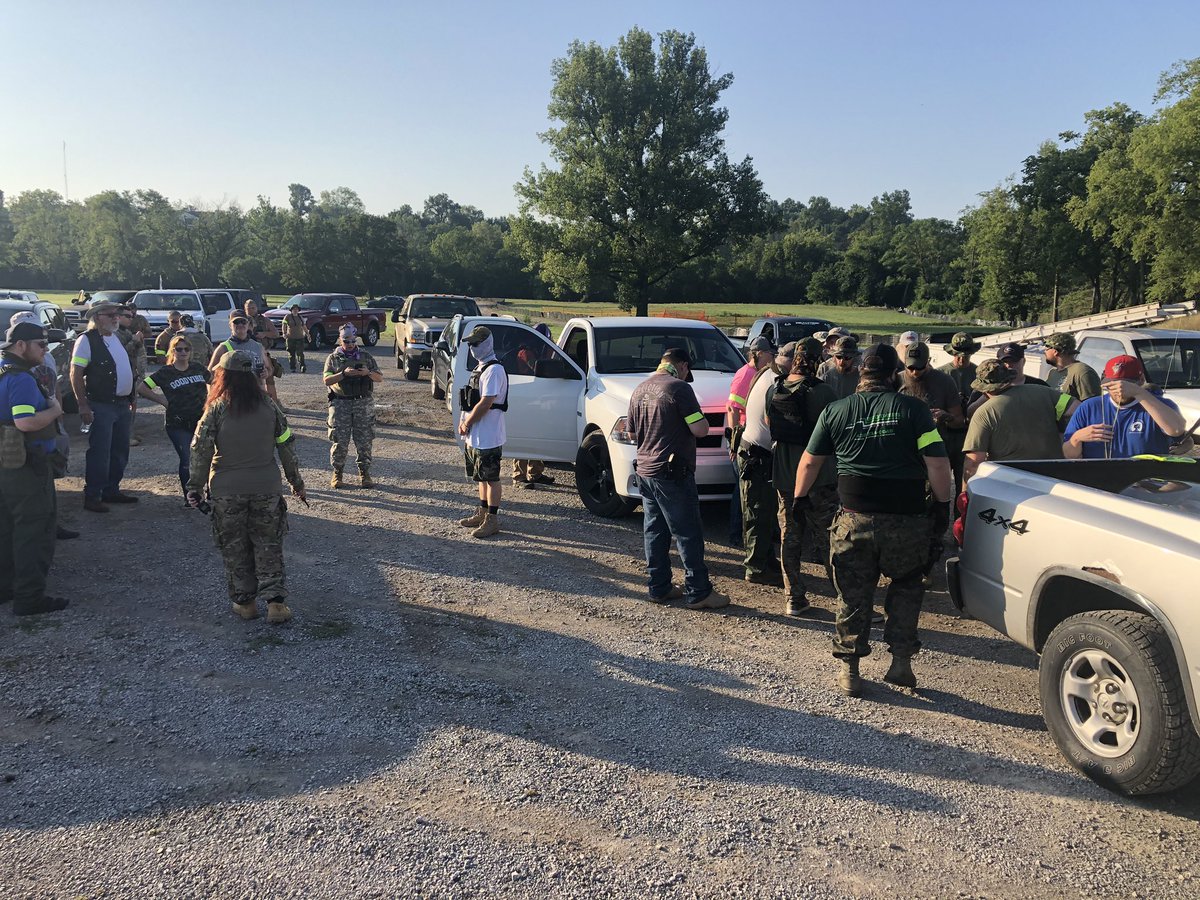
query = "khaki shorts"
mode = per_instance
[{"x": 484, "y": 465}]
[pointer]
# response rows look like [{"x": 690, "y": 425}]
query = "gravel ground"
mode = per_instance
[{"x": 447, "y": 718}]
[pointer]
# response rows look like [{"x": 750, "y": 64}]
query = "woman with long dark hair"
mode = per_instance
[
  {"x": 184, "y": 385},
  {"x": 233, "y": 455}
]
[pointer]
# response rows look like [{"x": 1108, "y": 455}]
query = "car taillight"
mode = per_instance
[{"x": 960, "y": 526}]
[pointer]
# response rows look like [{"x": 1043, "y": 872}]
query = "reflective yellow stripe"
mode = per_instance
[
  {"x": 79, "y": 361},
  {"x": 929, "y": 437},
  {"x": 1172, "y": 459},
  {"x": 285, "y": 437},
  {"x": 734, "y": 398},
  {"x": 694, "y": 417},
  {"x": 23, "y": 411},
  {"x": 150, "y": 382},
  {"x": 1061, "y": 406}
]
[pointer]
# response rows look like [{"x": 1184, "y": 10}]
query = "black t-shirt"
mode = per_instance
[
  {"x": 185, "y": 392},
  {"x": 660, "y": 411}
]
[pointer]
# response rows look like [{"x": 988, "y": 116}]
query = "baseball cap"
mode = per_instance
[
  {"x": 811, "y": 347},
  {"x": 478, "y": 335},
  {"x": 821, "y": 335},
  {"x": 237, "y": 361},
  {"x": 785, "y": 354},
  {"x": 879, "y": 358},
  {"x": 348, "y": 333},
  {"x": 23, "y": 331},
  {"x": 761, "y": 343},
  {"x": 234, "y": 320},
  {"x": 991, "y": 376},
  {"x": 847, "y": 346},
  {"x": 1011, "y": 350},
  {"x": 1124, "y": 368},
  {"x": 837, "y": 332},
  {"x": 909, "y": 337},
  {"x": 917, "y": 355},
  {"x": 1061, "y": 341}
]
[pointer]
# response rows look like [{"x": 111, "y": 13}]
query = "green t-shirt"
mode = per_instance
[
  {"x": 1079, "y": 380},
  {"x": 1020, "y": 423},
  {"x": 878, "y": 434}
]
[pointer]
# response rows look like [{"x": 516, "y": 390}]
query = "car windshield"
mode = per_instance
[
  {"x": 1171, "y": 363},
  {"x": 151, "y": 301},
  {"x": 639, "y": 348},
  {"x": 795, "y": 331},
  {"x": 23, "y": 296},
  {"x": 442, "y": 308},
  {"x": 302, "y": 301},
  {"x": 111, "y": 296}
]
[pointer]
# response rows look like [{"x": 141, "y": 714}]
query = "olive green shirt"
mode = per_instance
[
  {"x": 236, "y": 454},
  {"x": 1019, "y": 423},
  {"x": 1078, "y": 380}
]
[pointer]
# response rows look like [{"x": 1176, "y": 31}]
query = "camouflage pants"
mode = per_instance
[
  {"x": 861, "y": 546},
  {"x": 249, "y": 530},
  {"x": 295, "y": 351},
  {"x": 759, "y": 515},
  {"x": 351, "y": 420},
  {"x": 816, "y": 521}
]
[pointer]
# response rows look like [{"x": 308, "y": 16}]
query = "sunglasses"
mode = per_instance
[
  {"x": 916, "y": 368},
  {"x": 843, "y": 356},
  {"x": 183, "y": 349},
  {"x": 45, "y": 345}
]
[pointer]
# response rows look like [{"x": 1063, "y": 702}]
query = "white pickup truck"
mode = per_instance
[
  {"x": 568, "y": 401},
  {"x": 1094, "y": 564}
]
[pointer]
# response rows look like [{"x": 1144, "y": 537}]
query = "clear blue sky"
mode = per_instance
[{"x": 217, "y": 101}]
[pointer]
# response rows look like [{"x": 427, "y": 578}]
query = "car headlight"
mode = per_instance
[
  {"x": 620, "y": 433},
  {"x": 418, "y": 335}
]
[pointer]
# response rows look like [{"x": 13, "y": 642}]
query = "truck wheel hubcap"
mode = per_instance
[{"x": 1100, "y": 703}]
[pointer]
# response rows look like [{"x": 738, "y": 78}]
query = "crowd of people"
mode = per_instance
[{"x": 848, "y": 455}]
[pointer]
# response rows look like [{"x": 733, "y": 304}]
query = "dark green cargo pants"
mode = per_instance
[
  {"x": 861, "y": 547},
  {"x": 28, "y": 523},
  {"x": 760, "y": 526}
]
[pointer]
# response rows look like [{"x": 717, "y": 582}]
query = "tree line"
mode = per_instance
[{"x": 642, "y": 205}]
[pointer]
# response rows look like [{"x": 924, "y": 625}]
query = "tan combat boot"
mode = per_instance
[
  {"x": 489, "y": 526},
  {"x": 278, "y": 612},
  {"x": 848, "y": 679},
  {"x": 247, "y": 610},
  {"x": 900, "y": 673},
  {"x": 364, "y": 478},
  {"x": 475, "y": 519},
  {"x": 336, "y": 480}
]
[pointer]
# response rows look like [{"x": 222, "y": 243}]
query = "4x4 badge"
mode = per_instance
[{"x": 1017, "y": 526}]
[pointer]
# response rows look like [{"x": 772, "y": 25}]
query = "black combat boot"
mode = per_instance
[{"x": 900, "y": 672}]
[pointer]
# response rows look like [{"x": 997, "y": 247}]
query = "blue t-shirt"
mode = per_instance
[
  {"x": 1134, "y": 430},
  {"x": 20, "y": 397}
]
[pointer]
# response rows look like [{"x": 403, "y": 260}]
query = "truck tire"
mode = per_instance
[
  {"x": 399, "y": 355},
  {"x": 594, "y": 479},
  {"x": 436, "y": 392},
  {"x": 1115, "y": 703},
  {"x": 412, "y": 368},
  {"x": 371, "y": 335},
  {"x": 317, "y": 334},
  {"x": 449, "y": 395}
]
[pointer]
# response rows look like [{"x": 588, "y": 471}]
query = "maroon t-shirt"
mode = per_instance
[{"x": 660, "y": 410}]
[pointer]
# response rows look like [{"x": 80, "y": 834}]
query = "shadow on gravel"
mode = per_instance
[{"x": 933, "y": 700}]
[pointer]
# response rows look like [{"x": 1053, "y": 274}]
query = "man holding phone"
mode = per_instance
[{"x": 351, "y": 375}]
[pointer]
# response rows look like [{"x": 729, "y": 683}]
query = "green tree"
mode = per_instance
[
  {"x": 1001, "y": 244},
  {"x": 643, "y": 184},
  {"x": 111, "y": 245},
  {"x": 43, "y": 236}
]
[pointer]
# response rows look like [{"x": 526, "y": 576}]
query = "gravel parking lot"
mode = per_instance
[{"x": 452, "y": 718}]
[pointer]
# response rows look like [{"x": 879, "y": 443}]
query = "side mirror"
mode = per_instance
[
  {"x": 55, "y": 335},
  {"x": 442, "y": 347},
  {"x": 554, "y": 368},
  {"x": 397, "y": 316}
]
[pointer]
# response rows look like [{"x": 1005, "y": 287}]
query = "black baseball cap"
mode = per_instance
[
  {"x": 879, "y": 358},
  {"x": 1011, "y": 350},
  {"x": 23, "y": 331}
]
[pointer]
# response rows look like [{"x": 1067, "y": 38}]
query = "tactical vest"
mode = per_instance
[
  {"x": 352, "y": 388},
  {"x": 788, "y": 414},
  {"x": 100, "y": 376},
  {"x": 16, "y": 443},
  {"x": 469, "y": 396}
]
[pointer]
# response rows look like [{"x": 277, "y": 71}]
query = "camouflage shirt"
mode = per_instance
[{"x": 337, "y": 361}]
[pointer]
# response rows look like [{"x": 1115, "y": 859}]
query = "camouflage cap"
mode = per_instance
[
  {"x": 478, "y": 335},
  {"x": 964, "y": 343},
  {"x": 236, "y": 361},
  {"x": 811, "y": 347},
  {"x": 847, "y": 346},
  {"x": 992, "y": 376},
  {"x": 1061, "y": 341}
]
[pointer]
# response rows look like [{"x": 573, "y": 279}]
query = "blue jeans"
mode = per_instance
[
  {"x": 108, "y": 448},
  {"x": 671, "y": 508},
  {"x": 181, "y": 440}
]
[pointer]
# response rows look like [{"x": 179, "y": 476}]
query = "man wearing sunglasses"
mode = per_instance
[
  {"x": 28, "y": 511},
  {"x": 351, "y": 375},
  {"x": 102, "y": 379}
]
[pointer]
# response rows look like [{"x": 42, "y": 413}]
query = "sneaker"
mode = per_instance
[
  {"x": 900, "y": 673},
  {"x": 770, "y": 578},
  {"x": 475, "y": 519},
  {"x": 94, "y": 504},
  {"x": 848, "y": 678},
  {"x": 65, "y": 534},
  {"x": 675, "y": 593},
  {"x": 119, "y": 497},
  {"x": 798, "y": 606},
  {"x": 247, "y": 610},
  {"x": 489, "y": 526},
  {"x": 278, "y": 612},
  {"x": 45, "y": 605},
  {"x": 714, "y": 600}
]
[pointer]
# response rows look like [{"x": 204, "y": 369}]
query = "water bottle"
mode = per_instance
[{"x": 85, "y": 427}]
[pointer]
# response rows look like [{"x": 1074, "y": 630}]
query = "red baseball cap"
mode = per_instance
[{"x": 1124, "y": 368}]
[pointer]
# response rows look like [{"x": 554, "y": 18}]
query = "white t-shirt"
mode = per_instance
[
  {"x": 82, "y": 355},
  {"x": 757, "y": 431},
  {"x": 489, "y": 432}
]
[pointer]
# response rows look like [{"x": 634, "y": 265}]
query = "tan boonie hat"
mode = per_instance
[
  {"x": 478, "y": 335},
  {"x": 992, "y": 376},
  {"x": 237, "y": 361}
]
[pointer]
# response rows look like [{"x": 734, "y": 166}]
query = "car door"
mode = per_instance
[
  {"x": 1097, "y": 351},
  {"x": 218, "y": 305},
  {"x": 545, "y": 388}
]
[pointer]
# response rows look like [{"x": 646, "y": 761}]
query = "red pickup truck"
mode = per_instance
[{"x": 324, "y": 314}]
